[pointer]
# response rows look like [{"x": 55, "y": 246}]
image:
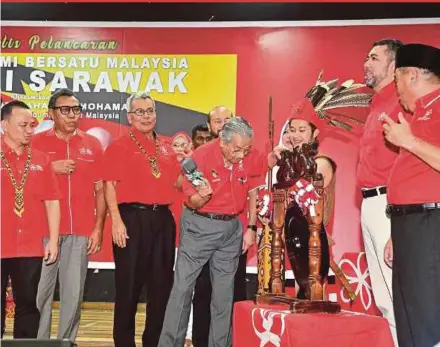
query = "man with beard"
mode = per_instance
[
  {"x": 414, "y": 197},
  {"x": 30, "y": 211},
  {"x": 217, "y": 118},
  {"x": 376, "y": 159},
  {"x": 140, "y": 174},
  {"x": 200, "y": 135},
  {"x": 75, "y": 158}
]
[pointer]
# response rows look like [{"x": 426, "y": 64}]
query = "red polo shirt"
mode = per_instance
[
  {"x": 376, "y": 156},
  {"x": 230, "y": 186},
  {"x": 412, "y": 181},
  {"x": 125, "y": 163},
  {"x": 23, "y": 237},
  {"x": 78, "y": 188}
]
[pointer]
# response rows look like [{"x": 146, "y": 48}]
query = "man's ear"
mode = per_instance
[
  {"x": 50, "y": 112},
  {"x": 129, "y": 119},
  {"x": 4, "y": 124}
]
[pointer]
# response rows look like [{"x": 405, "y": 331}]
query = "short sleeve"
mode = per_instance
[
  {"x": 111, "y": 168},
  {"x": 97, "y": 170},
  {"x": 49, "y": 181}
]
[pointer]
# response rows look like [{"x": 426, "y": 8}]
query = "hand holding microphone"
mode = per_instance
[{"x": 202, "y": 185}]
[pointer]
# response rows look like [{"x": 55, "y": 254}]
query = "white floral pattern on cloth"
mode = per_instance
[
  {"x": 269, "y": 334},
  {"x": 359, "y": 275},
  {"x": 305, "y": 195}
]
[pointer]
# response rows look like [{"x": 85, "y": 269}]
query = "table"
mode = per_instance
[{"x": 274, "y": 325}]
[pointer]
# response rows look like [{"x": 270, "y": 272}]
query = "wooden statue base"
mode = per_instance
[{"x": 299, "y": 306}]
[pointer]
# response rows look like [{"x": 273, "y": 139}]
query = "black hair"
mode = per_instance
[
  {"x": 200, "y": 127},
  {"x": 59, "y": 93},
  {"x": 8, "y": 107},
  {"x": 392, "y": 46}
]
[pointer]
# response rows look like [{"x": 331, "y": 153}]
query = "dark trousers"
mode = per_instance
[
  {"x": 416, "y": 278},
  {"x": 148, "y": 258},
  {"x": 202, "y": 300},
  {"x": 25, "y": 275}
]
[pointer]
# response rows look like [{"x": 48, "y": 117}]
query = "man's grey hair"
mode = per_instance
[
  {"x": 136, "y": 96},
  {"x": 236, "y": 125}
]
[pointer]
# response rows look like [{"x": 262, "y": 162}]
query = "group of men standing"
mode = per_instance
[
  {"x": 58, "y": 186},
  {"x": 68, "y": 185},
  {"x": 399, "y": 174}
]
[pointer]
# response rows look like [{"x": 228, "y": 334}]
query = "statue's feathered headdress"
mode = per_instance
[{"x": 327, "y": 96}]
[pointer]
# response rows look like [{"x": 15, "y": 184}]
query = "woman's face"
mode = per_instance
[
  {"x": 300, "y": 132},
  {"x": 180, "y": 145},
  {"x": 286, "y": 139}
]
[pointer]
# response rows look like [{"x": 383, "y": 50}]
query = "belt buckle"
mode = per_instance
[{"x": 155, "y": 207}]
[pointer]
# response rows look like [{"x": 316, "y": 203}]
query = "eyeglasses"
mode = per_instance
[
  {"x": 180, "y": 145},
  {"x": 141, "y": 112},
  {"x": 65, "y": 110}
]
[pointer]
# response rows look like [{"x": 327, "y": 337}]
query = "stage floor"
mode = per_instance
[{"x": 96, "y": 327}]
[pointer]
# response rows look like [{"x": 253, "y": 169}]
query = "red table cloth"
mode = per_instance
[{"x": 267, "y": 326}]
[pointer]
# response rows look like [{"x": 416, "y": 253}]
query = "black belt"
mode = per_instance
[
  {"x": 139, "y": 206},
  {"x": 369, "y": 193},
  {"x": 224, "y": 217},
  {"x": 400, "y": 210}
]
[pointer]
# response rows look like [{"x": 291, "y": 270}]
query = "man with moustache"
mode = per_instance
[
  {"x": 140, "y": 172},
  {"x": 75, "y": 158},
  {"x": 414, "y": 197},
  {"x": 217, "y": 118},
  {"x": 376, "y": 159},
  {"x": 30, "y": 211},
  {"x": 200, "y": 135},
  {"x": 212, "y": 233}
]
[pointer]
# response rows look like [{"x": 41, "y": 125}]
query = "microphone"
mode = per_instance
[{"x": 189, "y": 167}]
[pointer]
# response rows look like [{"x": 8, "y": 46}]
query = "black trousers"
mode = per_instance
[
  {"x": 202, "y": 300},
  {"x": 25, "y": 275},
  {"x": 416, "y": 278},
  {"x": 148, "y": 258}
]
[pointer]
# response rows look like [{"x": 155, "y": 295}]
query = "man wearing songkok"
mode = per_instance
[
  {"x": 211, "y": 232},
  {"x": 140, "y": 174},
  {"x": 75, "y": 158},
  {"x": 30, "y": 211},
  {"x": 414, "y": 197}
]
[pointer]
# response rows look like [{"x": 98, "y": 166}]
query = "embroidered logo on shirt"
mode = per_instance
[
  {"x": 35, "y": 167},
  {"x": 381, "y": 116},
  {"x": 426, "y": 116},
  {"x": 164, "y": 150},
  {"x": 85, "y": 151}
]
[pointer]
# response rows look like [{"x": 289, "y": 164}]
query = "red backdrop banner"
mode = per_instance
[{"x": 238, "y": 66}]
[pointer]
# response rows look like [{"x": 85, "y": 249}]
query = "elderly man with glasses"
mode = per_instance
[
  {"x": 75, "y": 157},
  {"x": 140, "y": 172}
]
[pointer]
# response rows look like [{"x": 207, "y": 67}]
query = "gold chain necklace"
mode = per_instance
[
  {"x": 153, "y": 160},
  {"x": 19, "y": 189}
]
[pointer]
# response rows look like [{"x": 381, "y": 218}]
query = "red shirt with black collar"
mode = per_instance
[
  {"x": 78, "y": 188},
  {"x": 230, "y": 186},
  {"x": 376, "y": 156},
  {"x": 412, "y": 181},
  {"x": 129, "y": 167},
  {"x": 23, "y": 237}
]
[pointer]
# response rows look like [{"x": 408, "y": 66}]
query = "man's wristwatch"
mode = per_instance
[{"x": 252, "y": 227}]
